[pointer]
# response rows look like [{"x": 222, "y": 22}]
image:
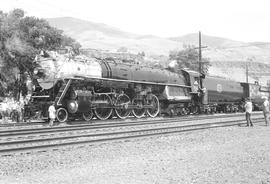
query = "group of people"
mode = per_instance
[
  {"x": 249, "y": 107},
  {"x": 12, "y": 109}
]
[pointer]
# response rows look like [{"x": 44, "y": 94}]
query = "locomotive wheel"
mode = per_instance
[
  {"x": 87, "y": 116},
  {"x": 153, "y": 112},
  {"x": 104, "y": 112},
  {"x": 61, "y": 115},
  {"x": 123, "y": 101},
  {"x": 185, "y": 111},
  {"x": 194, "y": 109},
  {"x": 138, "y": 112}
]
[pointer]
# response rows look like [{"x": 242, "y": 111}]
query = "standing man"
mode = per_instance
[
  {"x": 196, "y": 86},
  {"x": 266, "y": 110},
  {"x": 4, "y": 110},
  {"x": 248, "y": 107},
  {"x": 51, "y": 111}
]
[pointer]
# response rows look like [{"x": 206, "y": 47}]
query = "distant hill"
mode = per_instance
[
  {"x": 210, "y": 41},
  {"x": 101, "y": 36},
  {"x": 74, "y": 26},
  {"x": 219, "y": 50},
  {"x": 222, "y": 49}
]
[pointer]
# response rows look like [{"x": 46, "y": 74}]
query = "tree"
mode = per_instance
[
  {"x": 22, "y": 38},
  {"x": 188, "y": 58}
]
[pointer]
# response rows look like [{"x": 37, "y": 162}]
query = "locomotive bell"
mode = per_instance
[{"x": 72, "y": 106}]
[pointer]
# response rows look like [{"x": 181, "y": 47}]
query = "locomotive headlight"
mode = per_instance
[
  {"x": 72, "y": 105},
  {"x": 39, "y": 73}
]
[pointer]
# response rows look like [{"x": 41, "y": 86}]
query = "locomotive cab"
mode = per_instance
[
  {"x": 193, "y": 79},
  {"x": 197, "y": 91}
]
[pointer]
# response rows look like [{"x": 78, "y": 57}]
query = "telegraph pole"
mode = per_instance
[{"x": 200, "y": 53}]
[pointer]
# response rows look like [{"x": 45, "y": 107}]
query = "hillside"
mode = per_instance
[
  {"x": 101, "y": 36},
  {"x": 210, "y": 41},
  {"x": 74, "y": 26},
  {"x": 219, "y": 50}
]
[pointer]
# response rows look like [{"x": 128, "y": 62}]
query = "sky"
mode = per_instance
[{"x": 240, "y": 20}]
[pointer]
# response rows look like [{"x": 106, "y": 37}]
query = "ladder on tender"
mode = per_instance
[{"x": 62, "y": 91}]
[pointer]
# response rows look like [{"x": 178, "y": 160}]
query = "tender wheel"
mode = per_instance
[
  {"x": 121, "y": 109},
  {"x": 154, "y": 102},
  {"x": 214, "y": 110},
  {"x": 139, "y": 111},
  {"x": 104, "y": 110},
  {"x": 87, "y": 116},
  {"x": 61, "y": 115}
]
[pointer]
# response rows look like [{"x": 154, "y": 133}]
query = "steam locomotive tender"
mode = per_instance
[{"x": 82, "y": 87}]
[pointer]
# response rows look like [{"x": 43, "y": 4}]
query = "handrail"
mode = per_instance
[{"x": 63, "y": 93}]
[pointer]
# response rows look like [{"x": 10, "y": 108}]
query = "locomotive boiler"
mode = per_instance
[{"x": 82, "y": 87}]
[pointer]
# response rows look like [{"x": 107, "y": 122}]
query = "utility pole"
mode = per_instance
[{"x": 200, "y": 52}]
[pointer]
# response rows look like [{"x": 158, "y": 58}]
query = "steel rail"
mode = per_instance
[
  {"x": 32, "y": 131},
  {"x": 161, "y": 131},
  {"x": 110, "y": 133},
  {"x": 82, "y": 122}
]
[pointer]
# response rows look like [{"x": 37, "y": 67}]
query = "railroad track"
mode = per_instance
[
  {"x": 110, "y": 124},
  {"x": 95, "y": 121},
  {"x": 56, "y": 141}
]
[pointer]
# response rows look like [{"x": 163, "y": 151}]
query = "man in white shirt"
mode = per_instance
[
  {"x": 248, "y": 107},
  {"x": 4, "y": 111},
  {"x": 266, "y": 110},
  {"x": 196, "y": 86},
  {"x": 51, "y": 111}
]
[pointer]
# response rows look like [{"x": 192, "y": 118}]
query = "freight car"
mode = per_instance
[{"x": 83, "y": 87}]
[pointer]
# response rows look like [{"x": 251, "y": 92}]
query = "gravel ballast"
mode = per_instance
[{"x": 223, "y": 155}]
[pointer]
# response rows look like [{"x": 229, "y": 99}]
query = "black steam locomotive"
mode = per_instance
[{"x": 83, "y": 87}]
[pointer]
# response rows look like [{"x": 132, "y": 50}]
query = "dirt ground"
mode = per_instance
[{"x": 225, "y": 155}]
